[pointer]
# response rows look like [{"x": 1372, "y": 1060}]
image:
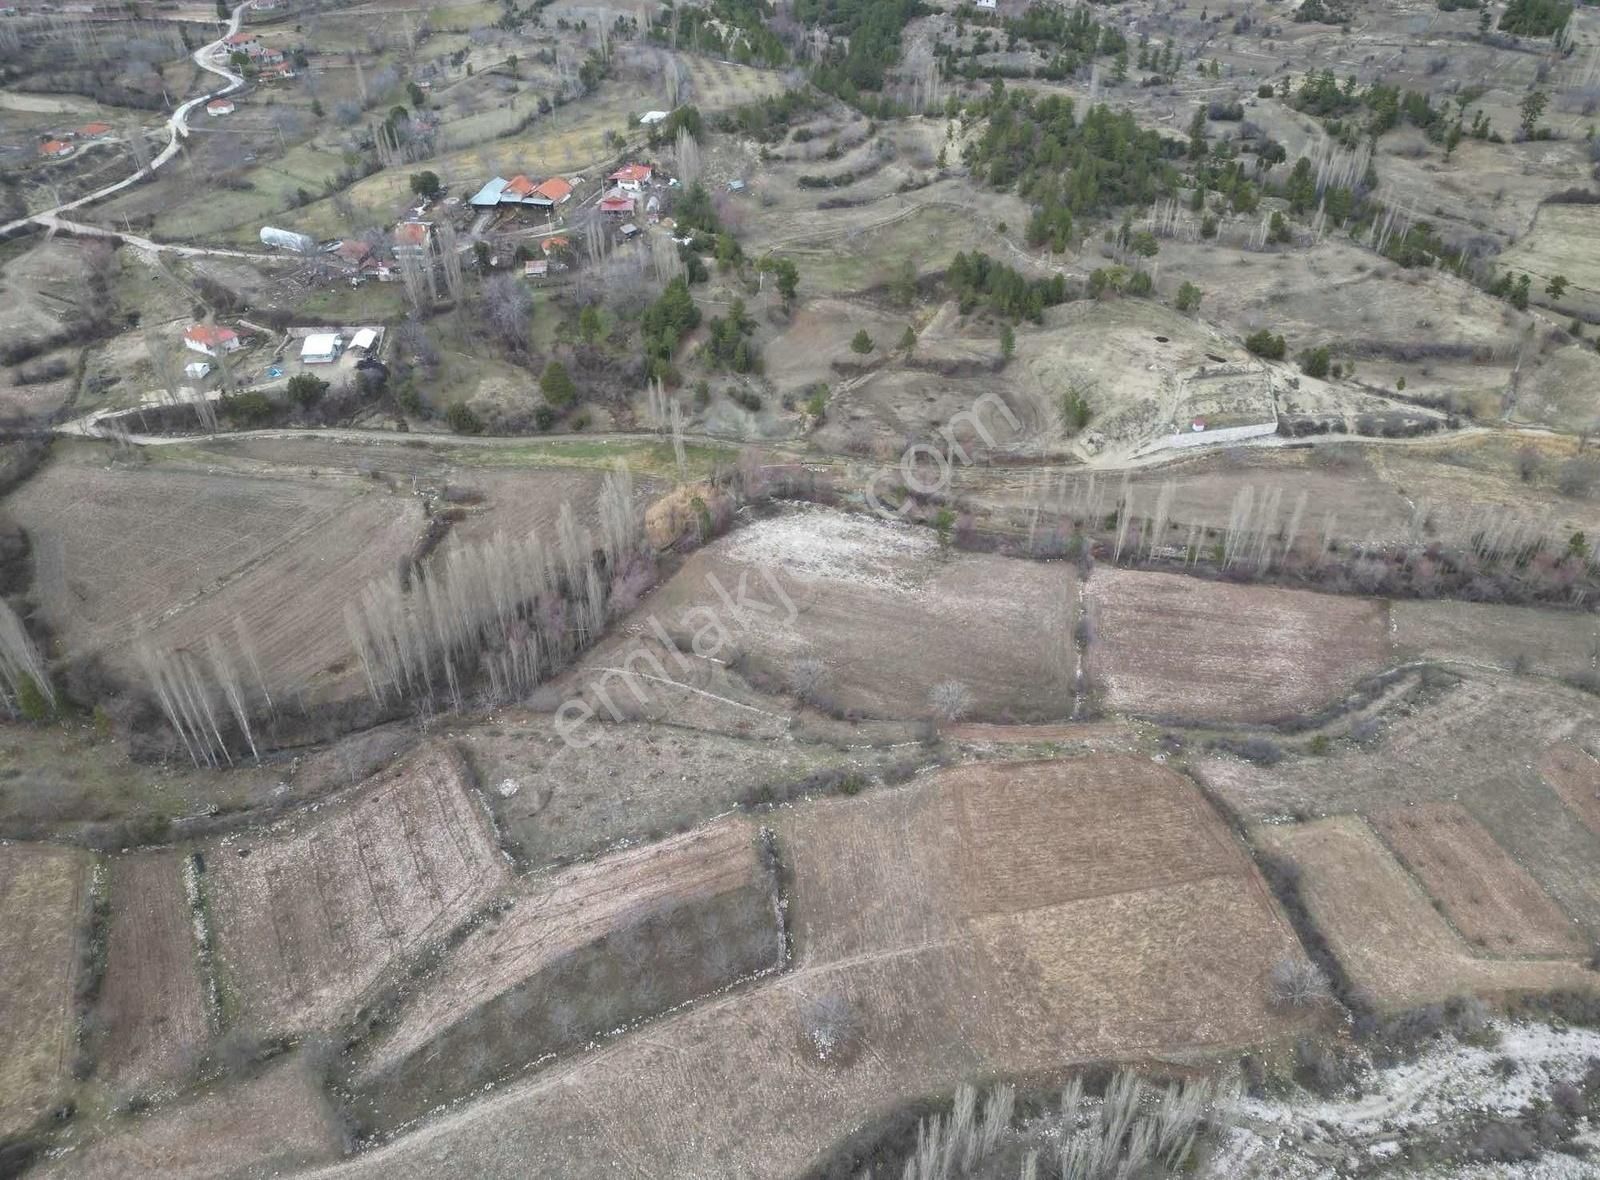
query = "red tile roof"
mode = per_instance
[
  {"x": 210, "y": 335},
  {"x": 555, "y": 188},
  {"x": 93, "y": 130},
  {"x": 633, "y": 173},
  {"x": 55, "y": 147},
  {"x": 551, "y": 245},
  {"x": 520, "y": 186},
  {"x": 411, "y": 233}
]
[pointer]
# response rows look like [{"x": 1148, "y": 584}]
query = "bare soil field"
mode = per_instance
[
  {"x": 1574, "y": 774},
  {"x": 1383, "y": 928},
  {"x": 310, "y": 913},
  {"x": 898, "y": 973},
  {"x": 886, "y": 614},
  {"x": 152, "y": 1002},
  {"x": 1497, "y": 907},
  {"x": 555, "y": 803},
  {"x": 1547, "y": 642},
  {"x": 591, "y": 948},
  {"x": 179, "y": 554},
  {"x": 1171, "y": 646},
  {"x": 42, "y": 901},
  {"x": 1479, "y": 743},
  {"x": 265, "y": 1125}
]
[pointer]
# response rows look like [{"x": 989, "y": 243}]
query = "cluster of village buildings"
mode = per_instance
[{"x": 267, "y": 62}]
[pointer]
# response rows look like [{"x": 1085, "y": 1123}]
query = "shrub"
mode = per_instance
[
  {"x": 556, "y": 385},
  {"x": 461, "y": 419},
  {"x": 1265, "y": 344},
  {"x": 307, "y": 389},
  {"x": 1189, "y": 297},
  {"x": 861, "y": 343},
  {"x": 1314, "y": 362}
]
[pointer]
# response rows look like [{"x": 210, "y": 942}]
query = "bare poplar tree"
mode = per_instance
[
  {"x": 686, "y": 152},
  {"x": 21, "y": 667}
]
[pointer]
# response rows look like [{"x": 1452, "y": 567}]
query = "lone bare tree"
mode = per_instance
[{"x": 950, "y": 700}]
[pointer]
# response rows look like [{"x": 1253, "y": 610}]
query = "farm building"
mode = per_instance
[
  {"x": 522, "y": 192},
  {"x": 651, "y": 118},
  {"x": 365, "y": 340},
  {"x": 56, "y": 148},
  {"x": 219, "y": 106},
  {"x": 629, "y": 232},
  {"x": 211, "y": 339},
  {"x": 632, "y": 177},
  {"x": 321, "y": 348},
  {"x": 197, "y": 370},
  {"x": 617, "y": 203},
  {"x": 556, "y": 189},
  {"x": 535, "y": 268}
]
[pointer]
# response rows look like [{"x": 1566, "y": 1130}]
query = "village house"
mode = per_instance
[
  {"x": 242, "y": 43},
  {"x": 94, "y": 130},
  {"x": 412, "y": 237},
  {"x": 617, "y": 203},
  {"x": 632, "y": 177},
  {"x": 219, "y": 106},
  {"x": 211, "y": 340},
  {"x": 56, "y": 149}
]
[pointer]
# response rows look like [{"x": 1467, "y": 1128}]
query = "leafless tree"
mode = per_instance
[
  {"x": 450, "y": 263},
  {"x": 831, "y": 1027},
  {"x": 507, "y": 305},
  {"x": 21, "y": 667},
  {"x": 950, "y": 700},
  {"x": 686, "y": 153},
  {"x": 808, "y": 676},
  {"x": 1297, "y": 983}
]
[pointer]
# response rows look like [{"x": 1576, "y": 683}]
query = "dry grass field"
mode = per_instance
[
  {"x": 1479, "y": 744},
  {"x": 266, "y": 1125},
  {"x": 1547, "y": 642},
  {"x": 42, "y": 893},
  {"x": 1497, "y": 907},
  {"x": 180, "y": 553},
  {"x": 555, "y": 803},
  {"x": 311, "y": 913},
  {"x": 900, "y": 952},
  {"x": 1170, "y": 646},
  {"x": 588, "y": 950},
  {"x": 1384, "y": 929},
  {"x": 887, "y": 615},
  {"x": 152, "y": 1002}
]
